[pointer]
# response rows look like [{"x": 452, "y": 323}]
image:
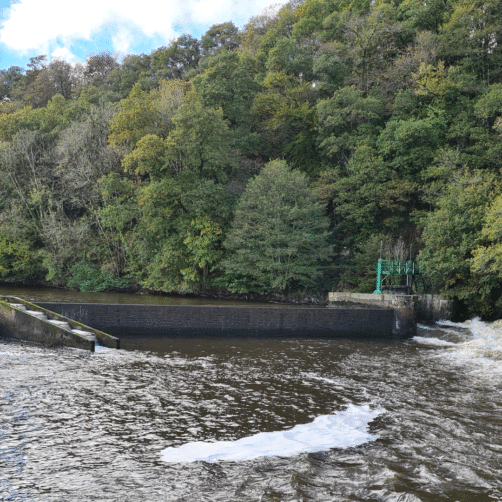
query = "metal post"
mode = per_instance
[{"x": 378, "y": 278}]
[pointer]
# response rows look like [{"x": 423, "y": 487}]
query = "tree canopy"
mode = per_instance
[
  {"x": 385, "y": 120},
  {"x": 278, "y": 239}
]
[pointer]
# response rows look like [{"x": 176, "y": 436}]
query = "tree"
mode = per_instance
[
  {"x": 329, "y": 72},
  {"x": 409, "y": 146},
  {"x": 99, "y": 66},
  {"x": 228, "y": 82},
  {"x": 58, "y": 77},
  {"x": 286, "y": 118},
  {"x": 200, "y": 141},
  {"x": 471, "y": 37},
  {"x": 83, "y": 157},
  {"x": 368, "y": 39},
  {"x": 135, "y": 119},
  {"x": 257, "y": 27},
  {"x": 9, "y": 80},
  {"x": 486, "y": 264},
  {"x": 344, "y": 119},
  {"x": 278, "y": 238},
  {"x": 369, "y": 199},
  {"x": 489, "y": 105},
  {"x": 422, "y": 15},
  {"x": 119, "y": 249},
  {"x": 143, "y": 113},
  {"x": 203, "y": 244},
  {"x": 175, "y": 61},
  {"x": 181, "y": 221},
  {"x": 451, "y": 235},
  {"x": 134, "y": 69},
  {"x": 218, "y": 37}
]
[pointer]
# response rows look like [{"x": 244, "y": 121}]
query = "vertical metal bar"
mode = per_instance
[{"x": 379, "y": 278}]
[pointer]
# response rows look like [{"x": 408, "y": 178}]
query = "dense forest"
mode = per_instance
[{"x": 276, "y": 158}]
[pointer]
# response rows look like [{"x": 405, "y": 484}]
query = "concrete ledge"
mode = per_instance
[
  {"x": 15, "y": 322},
  {"x": 404, "y": 308},
  {"x": 408, "y": 309},
  {"x": 428, "y": 307},
  {"x": 203, "y": 320},
  {"x": 383, "y": 300}
]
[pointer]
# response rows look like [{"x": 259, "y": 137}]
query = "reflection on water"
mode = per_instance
[
  {"x": 81, "y": 427},
  {"x": 61, "y": 295}
]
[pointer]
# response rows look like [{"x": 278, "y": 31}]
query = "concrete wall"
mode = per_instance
[
  {"x": 403, "y": 306},
  {"x": 25, "y": 328},
  {"x": 421, "y": 307},
  {"x": 189, "y": 320},
  {"x": 366, "y": 298},
  {"x": 434, "y": 308},
  {"x": 396, "y": 289},
  {"x": 15, "y": 323}
]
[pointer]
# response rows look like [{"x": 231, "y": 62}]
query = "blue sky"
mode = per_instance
[{"x": 72, "y": 31}]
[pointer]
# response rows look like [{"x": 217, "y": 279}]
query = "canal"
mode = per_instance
[{"x": 419, "y": 420}]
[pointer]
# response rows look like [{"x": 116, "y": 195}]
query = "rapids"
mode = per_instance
[{"x": 419, "y": 420}]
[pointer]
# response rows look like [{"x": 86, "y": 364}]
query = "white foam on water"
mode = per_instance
[
  {"x": 486, "y": 341},
  {"x": 342, "y": 430},
  {"x": 432, "y": 341},
  {"x": 423, "y": 326},
  {"x": 313, "y": 376},
  {"x": 480, "y": 351},
  {"x": 465, "y": 324}
]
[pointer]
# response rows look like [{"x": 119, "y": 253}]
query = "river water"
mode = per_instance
[{"x": 206, "y": 419}]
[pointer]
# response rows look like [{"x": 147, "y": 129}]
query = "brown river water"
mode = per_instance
[{"x": 172, "y": 419}]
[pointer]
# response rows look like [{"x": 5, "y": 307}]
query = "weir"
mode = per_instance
[
  {"x": 26, "y": 321},
  {"x": 202, "y": 320},
  {"x": 368, "y": 316}
]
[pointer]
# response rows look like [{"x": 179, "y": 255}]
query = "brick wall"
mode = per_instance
[{"x": 229, "y": 320}]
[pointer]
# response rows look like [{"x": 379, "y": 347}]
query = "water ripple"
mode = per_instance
[{"x": 85, "y": 428}]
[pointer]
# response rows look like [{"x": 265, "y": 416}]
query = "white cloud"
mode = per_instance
[
  {"x": 64, "y": 53},
  {"x": 42, "y": 24},
  {"x": 122, "y": 40}
]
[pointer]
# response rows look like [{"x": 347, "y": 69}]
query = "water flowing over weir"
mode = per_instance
[{"x": 419, "y": 420}]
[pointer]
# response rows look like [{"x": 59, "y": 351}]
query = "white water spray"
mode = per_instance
[{"x": 481, "y": 344}]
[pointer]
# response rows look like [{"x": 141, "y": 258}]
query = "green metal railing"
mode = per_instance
[{"x": 392, "y": 267}]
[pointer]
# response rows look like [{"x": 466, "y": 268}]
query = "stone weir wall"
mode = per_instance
[
  {"x": 408, "y": 309},
  {"x": 188, "y": 320}
]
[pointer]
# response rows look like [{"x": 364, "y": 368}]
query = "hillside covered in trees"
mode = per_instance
[{"x": 273, "y": 158}]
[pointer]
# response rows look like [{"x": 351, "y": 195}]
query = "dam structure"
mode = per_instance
[
  {"x": 24, "y": 320},
  {"x": 215, "y": 320},
  {"x": 83, "y": 325}
]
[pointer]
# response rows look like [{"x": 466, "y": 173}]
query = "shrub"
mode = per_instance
[{"x": 87, "y": 278}]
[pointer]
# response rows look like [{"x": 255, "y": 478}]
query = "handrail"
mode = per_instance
[{"x": 395, "y": 267}]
